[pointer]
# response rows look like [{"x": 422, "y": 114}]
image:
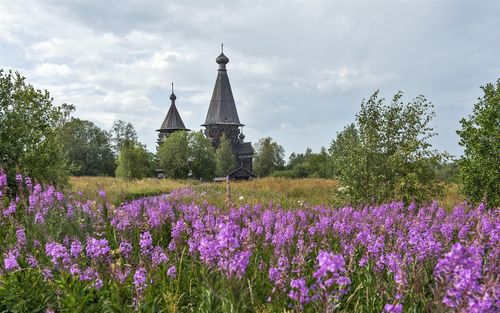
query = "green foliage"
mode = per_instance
[
  {"x": 479, "y": 175},
  {"x": 173, "y": 155},
  {"x": 88, "y": 147},
  {"x": 218, "y": 294},
  {"x": 201, "y": 156},
  {"x": 28, "y": 132},
  {"x": 447, "y": 171},
  {"x": 134, "y": 161},
  {"x": 313, "y": 165},
  {"x": 121, "y": 132},
  {"x": 268, "y": 157},
  {"x": 25, "y": 291},
  {"x": 385, "y": 155},
  {"x": 224, "y": 158}
]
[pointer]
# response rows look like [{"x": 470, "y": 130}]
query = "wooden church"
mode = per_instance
[{"x": 222, "y": 119}]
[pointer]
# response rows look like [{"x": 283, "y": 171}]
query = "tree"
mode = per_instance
[
  {"x": 224, "y": 158},
  {"x": 343, "y": 150},
  {"x": 268, "y": 157},
  {"x": 122, "y": 131},
  {"x": 201, "y": 156},
  {"x": 88, "y": 147},
  {"x": 386, "y": 155},
  {"x": 447, "y": 171},
  {"x": 134, "y": 161},
  {"x": 319, "y": 164},
  {"x": 479, "y": 169},
  {"x": 173, "y": 155},
  {"x": 307, "y": 165},
  {"x": 28, "y": 131}
]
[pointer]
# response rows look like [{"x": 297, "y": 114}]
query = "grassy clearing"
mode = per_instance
[
  {"x": 119, "y": 190},
  {"x": 283, "y": 191},
  {"x": 286, "y": 192}
]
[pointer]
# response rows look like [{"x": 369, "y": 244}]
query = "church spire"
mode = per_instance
[
  {"x": 173, "y": 121},
  {"x": 222, "y": 109}
]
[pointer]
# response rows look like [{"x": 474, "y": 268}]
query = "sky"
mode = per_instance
[{"x": 299, "y": 70}]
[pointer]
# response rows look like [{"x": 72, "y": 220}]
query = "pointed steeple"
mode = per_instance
[
  {"x": 222, "y": 109},
  {"x": 173, "y": 120}
]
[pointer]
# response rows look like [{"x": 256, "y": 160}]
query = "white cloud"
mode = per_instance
[
  {"x": 297, "y": 68},
  {"x": 49, "y": 70},
  {"x": 345, "y": 78}
]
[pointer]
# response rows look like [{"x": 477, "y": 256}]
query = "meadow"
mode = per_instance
[
  {"x": 106, "y": 245},
  {"x": 287, "y": 192}
]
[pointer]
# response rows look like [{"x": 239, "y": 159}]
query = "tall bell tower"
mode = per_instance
[{"x": 222, "y": 118}]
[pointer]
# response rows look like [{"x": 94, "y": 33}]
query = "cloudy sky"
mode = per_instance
[{"x": 299, "y": 69}]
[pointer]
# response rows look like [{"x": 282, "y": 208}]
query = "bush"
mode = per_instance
[{"x": 386, "y": 155}]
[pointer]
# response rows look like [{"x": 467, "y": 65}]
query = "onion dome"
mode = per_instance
[
  {"x": 222, "y": 59},
  {"x": 172, "y": 96}
]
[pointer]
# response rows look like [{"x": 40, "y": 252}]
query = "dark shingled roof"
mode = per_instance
[
  {"x": 245, "y": 149},
  {"x": 173, "y": 119},
  {"x": 222, "y": 108},
  {"x": 241, "y": 173}
]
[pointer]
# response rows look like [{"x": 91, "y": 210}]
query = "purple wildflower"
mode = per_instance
[
  {"x": 299, "y": 291},
  {"x": 146, "y": 243},
  {"x": 460, "y": 271},
  {"x": 140, "y": 279},
  {"x": 330, "y": 277},
  {"x": 10, "y": 210},
  {"x": 171, "y": 272},
  {"x": 98, "y": 284},
  {"x": 39, "y": 218},
  {"x": 32, "y": 262},
  {"x": 19, "y": 179},
  {"x": 57, "y": 253},
  {"x": 89, "y": 274},
  {"x": 21, "y": 237},
  {"x": 74, "y": 269},
  {"x": 76, "y": 248},
  {"x": 10, "y": 259},
  {"x": 158, "y": 256},
  {"x": 96, "y": 248},
  {"x": 3, "y": 179},
  {"x": 393, "y": 308},
  {"x": 125, "y": 248}
]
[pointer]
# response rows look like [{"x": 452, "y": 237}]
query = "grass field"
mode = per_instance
[
  {"x": 283, "y": 191},
  {"x": 119, "y": 190}
]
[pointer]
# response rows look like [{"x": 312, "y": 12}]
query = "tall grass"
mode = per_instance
[
  {"x": 119, "y": 190},
  {"x": 291, "y": 193}
]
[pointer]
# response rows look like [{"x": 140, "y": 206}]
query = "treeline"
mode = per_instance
[{"x": 384, "y": 154}]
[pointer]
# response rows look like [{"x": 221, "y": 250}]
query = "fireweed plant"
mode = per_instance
[{"x": 175, "y": 253}]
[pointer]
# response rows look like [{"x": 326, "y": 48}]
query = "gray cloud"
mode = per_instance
[{"x": 299, "y": 69}]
